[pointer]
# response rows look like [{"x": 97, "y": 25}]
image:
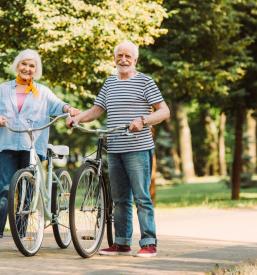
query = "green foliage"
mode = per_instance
[
  {"x": 76, "y": 38},
  {"x": 203, "y": 194},
  {"x": 202, "y": 54},
  {"x": 245, "y": 94},
  {"x": 200, "y": 141},
  {"x": 208, "y": 54},
  {"x": 15, "y": 32},
  {"x": 207, "y": 51}
]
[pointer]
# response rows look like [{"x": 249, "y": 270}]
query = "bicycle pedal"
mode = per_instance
[{"x": 87, "y": 238}]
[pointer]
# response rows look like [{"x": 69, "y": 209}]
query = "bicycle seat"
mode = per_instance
[{"x": 60, "y": 150}]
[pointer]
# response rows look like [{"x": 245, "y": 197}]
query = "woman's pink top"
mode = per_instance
[{"x": 20, "y": 100}]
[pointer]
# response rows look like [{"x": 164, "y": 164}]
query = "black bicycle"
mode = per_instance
[{"x": 91, "y": 205}]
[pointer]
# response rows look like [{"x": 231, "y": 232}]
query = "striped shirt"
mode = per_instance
[{"x": 125, "y": 100}]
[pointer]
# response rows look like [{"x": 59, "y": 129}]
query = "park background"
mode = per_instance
[{"x": 202, "y": 55}]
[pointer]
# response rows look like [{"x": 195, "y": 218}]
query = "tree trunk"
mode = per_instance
[
  {"x": 250, "y": 148},
  {"x": 185, "y": 143},
  {"x": 221, "y": 144},
  {"x": 237, "y": 161},
  {"x": 169, "y": 126},
  {"x": 212, "y": 164},
  {"x": 176, "y": 160}
]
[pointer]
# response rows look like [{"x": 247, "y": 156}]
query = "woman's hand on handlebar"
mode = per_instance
[
  {"x": 3, "y": 121},
  {"x": 73, "y": 111}
]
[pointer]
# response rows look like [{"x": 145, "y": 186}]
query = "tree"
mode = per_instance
[
  {"x": 76, "y": 39},
  {"x": 250, "y": 146},
  {"x": 185, "y": 143},
  {"x": 221, "y": 145},
  {"x": 203, "y": 55},
  {"x": 244, "y": 95}
]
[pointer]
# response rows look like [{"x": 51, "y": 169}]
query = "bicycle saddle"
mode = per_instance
[{"x": 60, "y": 150}]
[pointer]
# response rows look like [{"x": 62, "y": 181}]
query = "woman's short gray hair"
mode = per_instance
[
  {"x": 28, "y": 54},
  {"x": 130, "y": 44}
]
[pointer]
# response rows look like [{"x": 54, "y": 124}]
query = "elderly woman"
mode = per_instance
[{"x": 24, "y": 103}]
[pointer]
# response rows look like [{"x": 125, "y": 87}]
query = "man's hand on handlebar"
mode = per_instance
[
  {"x": 136, "y": 125},
  {"x": 70, "y": 121},
  {"x": 72, "y": 118}
]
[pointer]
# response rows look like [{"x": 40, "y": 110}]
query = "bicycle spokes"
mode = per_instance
[
  {"x": 60, "y": 208},
  {"x": 88, "y": 214},
  {"x": 26, "y": 213}
]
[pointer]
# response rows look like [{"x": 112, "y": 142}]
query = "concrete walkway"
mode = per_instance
[{"x": 191, "y": 241}]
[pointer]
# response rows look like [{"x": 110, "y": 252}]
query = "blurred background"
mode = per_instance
[{"x": 202, "y": 55}]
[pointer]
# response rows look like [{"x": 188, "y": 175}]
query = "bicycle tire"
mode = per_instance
[
  {"x": 27, "y": 226},
  {"x": 60, "y": 208},
  {"x": 110, "y": 207},
  {"x": 87, "y": 211},
  {"x": 110, "y": 225}
]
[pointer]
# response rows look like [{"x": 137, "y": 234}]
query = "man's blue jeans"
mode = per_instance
[
  {"x": 130, "y": 176},
  {"x": 10, "y": 162}
]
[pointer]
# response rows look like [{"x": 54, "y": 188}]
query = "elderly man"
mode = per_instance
[{"x": 128, "y": 98}]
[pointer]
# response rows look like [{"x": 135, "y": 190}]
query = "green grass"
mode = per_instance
[{"x": 213, "y": 195}]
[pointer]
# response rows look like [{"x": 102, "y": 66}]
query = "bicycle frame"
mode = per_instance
[
  {"x": 102, "y": 134},
  {"x": 44, "y": 185},
  {"x": 97, "y": 161}
]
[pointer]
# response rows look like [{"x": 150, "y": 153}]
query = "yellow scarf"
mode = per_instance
[{"x": 30, "y": 87}]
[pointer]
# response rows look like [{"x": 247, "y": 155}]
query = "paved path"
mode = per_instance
[{"x": 191, "y": 241}]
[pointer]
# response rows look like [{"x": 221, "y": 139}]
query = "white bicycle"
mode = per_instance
[{"x": 33, "y": 199}]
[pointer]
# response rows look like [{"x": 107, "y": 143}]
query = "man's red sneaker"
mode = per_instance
[
  {"x": 116, "y": 249},
  {"x": 147, "y": 251}
]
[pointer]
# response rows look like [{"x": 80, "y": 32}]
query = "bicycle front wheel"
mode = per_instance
[
  {"x": 87, "y": 211},
  {"x": 60, "y": 208},
  {"x": 26, "y": 212}
]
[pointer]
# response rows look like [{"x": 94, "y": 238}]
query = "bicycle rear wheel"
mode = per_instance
[
  {"x": 109, "y": 208},
  {"x": 110, "y": 225},
  {"x": 87, "y": 211},
  {"x": 26, "y": 213},
  {"x": 60, "y": 208}
]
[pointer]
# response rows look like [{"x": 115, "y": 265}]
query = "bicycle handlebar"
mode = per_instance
[
  {"x": 100, "y": 131},
  {"x": 39, "y": 128}
]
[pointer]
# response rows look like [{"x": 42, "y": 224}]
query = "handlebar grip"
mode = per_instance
[{"x": 65, "y": 115}]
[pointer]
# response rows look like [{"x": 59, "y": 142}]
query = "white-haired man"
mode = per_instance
[{"x": 128, "y": 97}]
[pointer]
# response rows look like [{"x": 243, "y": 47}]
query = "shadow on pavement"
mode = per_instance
[{"x": 176, "y": 255}]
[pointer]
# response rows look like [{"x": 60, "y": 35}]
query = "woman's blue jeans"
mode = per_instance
[
  {"x": 130, "y": 176},
  {"x": 10, "y": 162}
]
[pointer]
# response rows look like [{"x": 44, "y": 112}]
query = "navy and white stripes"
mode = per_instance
[{"x": 125, "y": 100}]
